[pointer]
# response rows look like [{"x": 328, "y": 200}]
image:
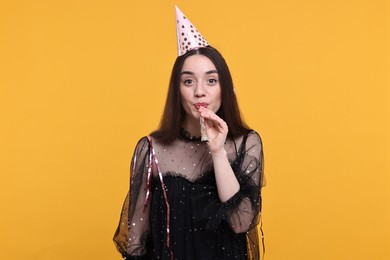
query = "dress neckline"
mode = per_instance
[{"x": 186, "y": 135}]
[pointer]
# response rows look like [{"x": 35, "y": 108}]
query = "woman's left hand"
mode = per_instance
[{"x": 216, "y": 130}]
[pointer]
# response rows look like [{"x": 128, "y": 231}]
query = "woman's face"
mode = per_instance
[{"x": 199, "y": 85}]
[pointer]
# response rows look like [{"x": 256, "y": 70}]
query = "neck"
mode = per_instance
[{"x": 192, "y": 126}]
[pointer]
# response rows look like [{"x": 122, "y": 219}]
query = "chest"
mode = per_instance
[{"x": 191, "y": 160}]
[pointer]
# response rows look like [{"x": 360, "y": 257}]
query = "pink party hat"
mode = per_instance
[{"x": 188, "y": 37}]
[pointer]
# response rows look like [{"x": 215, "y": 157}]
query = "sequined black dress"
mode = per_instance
[{"x": 199, "y": 226}]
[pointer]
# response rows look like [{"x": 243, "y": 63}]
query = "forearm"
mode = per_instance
[{"x": 227, "y": 184}]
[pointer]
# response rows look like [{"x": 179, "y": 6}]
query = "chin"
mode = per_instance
[{"x": 196, "y": 117}]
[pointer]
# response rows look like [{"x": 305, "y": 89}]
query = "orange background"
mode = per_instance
[{"x": 82, "y": 81}]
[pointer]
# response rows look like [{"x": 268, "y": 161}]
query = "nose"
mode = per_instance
[{"x": 200, "y": 90}]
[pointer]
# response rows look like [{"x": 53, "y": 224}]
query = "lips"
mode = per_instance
[{"x": 200, "y": 104}]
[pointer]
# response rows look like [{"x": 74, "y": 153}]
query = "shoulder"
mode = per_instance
[
  {"x": 249, "y": 140},
  {"x": 143, "y": 141},
  {"x": 142, "y": 145},
  {"x": 253, "y": 137},
  {"x": 252, "y": 143}
]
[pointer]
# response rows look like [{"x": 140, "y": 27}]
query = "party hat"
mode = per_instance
[{"x": 188, "y": 37}]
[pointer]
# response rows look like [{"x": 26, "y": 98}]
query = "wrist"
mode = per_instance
[{"x": 221, "y": 153}]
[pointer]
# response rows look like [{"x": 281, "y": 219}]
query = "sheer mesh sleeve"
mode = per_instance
[
  {"x": 133, "y": 230},
  {"x": 244, "y": 208}
]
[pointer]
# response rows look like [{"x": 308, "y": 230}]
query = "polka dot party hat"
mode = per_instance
[{"x": 188, "y": 37}]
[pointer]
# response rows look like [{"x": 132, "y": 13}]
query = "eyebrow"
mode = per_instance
[{"x": 192, "y": 73}]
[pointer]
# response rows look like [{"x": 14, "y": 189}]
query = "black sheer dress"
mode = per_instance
[{"x": 176, "y": 212}]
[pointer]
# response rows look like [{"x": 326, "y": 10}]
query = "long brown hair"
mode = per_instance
[{"x": 174, "y": 114}]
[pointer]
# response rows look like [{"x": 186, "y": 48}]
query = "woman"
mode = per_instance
[{"x": 191, "y": 199}]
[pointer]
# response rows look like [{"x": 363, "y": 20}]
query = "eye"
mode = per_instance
[
  {"x": 212, "y": 81},
  {"x": 188, "y": 82}
]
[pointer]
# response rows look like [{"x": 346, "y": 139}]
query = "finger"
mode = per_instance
[
  {"x": 206, "y": 113},
  {"x": 216, "y": 125}
]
